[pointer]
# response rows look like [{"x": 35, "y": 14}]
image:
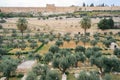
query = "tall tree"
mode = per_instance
[
  {"x": 22, "y": 24},
  {"x": 85, "y": 24},
  {"x": 84, "y": 4},
  {"x": 91, "y": 5}
]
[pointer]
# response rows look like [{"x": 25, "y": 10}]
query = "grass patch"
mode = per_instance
[
  {"x": 15, "y": 78},
  {"x": 39, "y": 47},
  {"x": 71, "y": 77},
  {"x": 45, "y": 48},
  {"x": 115, "y": 77}
]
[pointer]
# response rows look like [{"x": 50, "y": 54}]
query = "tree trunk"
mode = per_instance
[
  {"x": 22, "y": 42},
  {"x": 8, "y": 75},
  {"x": 84, "y": 36},
  {"x": 63, "y": 71},
  {"x": 85, "y": 32},
  {"x": 102, "y": 73},
  {"x": 18, "y": 56},
  {"x": 22, "y": 37},
  {"x": 7, "y": 78},
  {"x": 76, "y": 64}
]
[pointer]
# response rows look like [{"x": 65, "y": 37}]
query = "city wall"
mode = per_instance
[{"x": 54, "y": 9}]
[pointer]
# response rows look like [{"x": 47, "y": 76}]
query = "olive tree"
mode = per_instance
[
  {"x": 93, "y": 42},
  {"x": 54, "y": 49},
  {"x": 8, "y": 66},
  {"x": 63, "y": 60},
  {"x": 80, "y": 49},
  {"x": 40, "y": 70},
  {"x": 117, "y": 52},
  {"x": 52, "y": 75},
  {"x": 88, "y": 76},
  {"x": 59, "y": 42},
  {"x": 48, "y": 57},
  {"x": 38, "y": 57},
  {"x": 106, "y": 65},
  {"x": 61, "y": 63},
  {"x": 79, "y": 57},
  {"x": 31, "y": 76}
]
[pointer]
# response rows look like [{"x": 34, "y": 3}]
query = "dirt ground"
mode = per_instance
[{"x": 58, "y": 26}]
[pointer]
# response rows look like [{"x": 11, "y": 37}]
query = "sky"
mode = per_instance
[{"x": 40, "y": 3}]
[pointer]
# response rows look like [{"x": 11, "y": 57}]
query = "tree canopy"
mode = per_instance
[{"x": 106, "y": 24}]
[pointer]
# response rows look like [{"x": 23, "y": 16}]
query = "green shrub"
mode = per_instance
[
  {"x": 106, "y": 24},
  {"x": 2, "y": 21},
  {"x": 117, "y": 52},
  {"x": 88, "y": 76},
  {"x": 20, "y": 75},
  {"x": 13, "y": 35},
  {"x": 67, "y": 73}
]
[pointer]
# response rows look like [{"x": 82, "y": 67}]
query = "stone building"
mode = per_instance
[{"x": 114, "y": 46}]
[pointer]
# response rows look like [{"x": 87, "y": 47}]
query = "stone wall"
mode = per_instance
[
  {"x": 100, "y": 8},
  {"x": 53, "y": 8}
]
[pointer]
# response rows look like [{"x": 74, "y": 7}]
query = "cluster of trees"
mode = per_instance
[
  {"x": 92, "y": 75},
  {"x": 11, "y": 14},
  {"x": 106, "y": 24},
  {"x": 64, "y": 59},
  {"x": 105, "y": 64},
  {"x": 92, "y": 5},
  {"x": 42, "y": 72},
  {"x": 45, "y": 38},
  {"x": 8, "y": 66}
]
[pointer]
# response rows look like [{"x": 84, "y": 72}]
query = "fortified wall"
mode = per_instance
[{"x": 53, "y": 8}]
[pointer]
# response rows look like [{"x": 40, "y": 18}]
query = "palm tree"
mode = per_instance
[
  {"x": 22, "y": 25},
  {"x": 85, "y": 23}
]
